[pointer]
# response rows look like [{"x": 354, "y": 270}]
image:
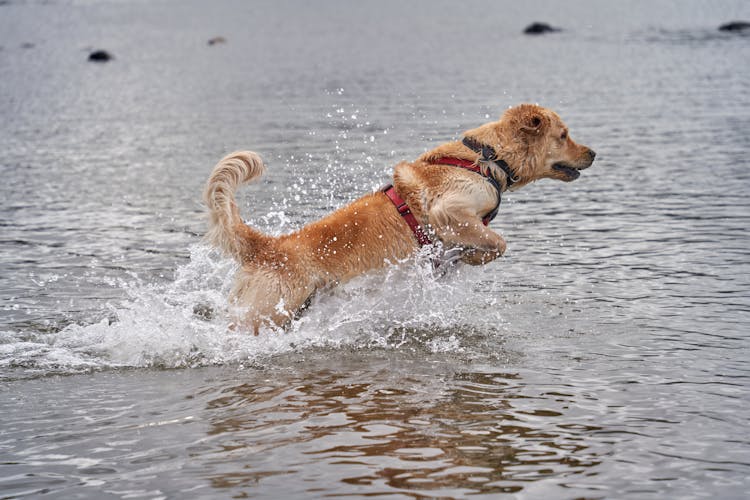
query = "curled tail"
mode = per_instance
[{"x": 226, "y": 229}]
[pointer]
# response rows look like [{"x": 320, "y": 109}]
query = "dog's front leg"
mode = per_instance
[
  {"x": 455, "y": 219},
  {"x": 479, "y": 245}
]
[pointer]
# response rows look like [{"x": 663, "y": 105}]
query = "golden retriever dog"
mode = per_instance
[{"x": 446, "y": 196}]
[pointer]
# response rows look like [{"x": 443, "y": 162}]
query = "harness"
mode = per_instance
[
  {"x": 469, "y": 165},
  {"x": 405, "y": 212},
  {"x": 488, "y": 154}
]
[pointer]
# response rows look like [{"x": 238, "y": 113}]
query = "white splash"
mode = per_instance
[{"x": 184, "y": 323}]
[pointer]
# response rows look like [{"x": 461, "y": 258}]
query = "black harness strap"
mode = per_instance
[
  {"x": 488, "y": 218},
  {"x": 489, "y": 154}
]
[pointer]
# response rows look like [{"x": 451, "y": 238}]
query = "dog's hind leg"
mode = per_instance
[{"x": 267, "y": 298}]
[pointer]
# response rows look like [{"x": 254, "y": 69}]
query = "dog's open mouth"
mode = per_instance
[{"x": 570, "y": 172}]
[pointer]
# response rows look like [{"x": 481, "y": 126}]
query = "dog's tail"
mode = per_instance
[{"x": 226, "y": 229}]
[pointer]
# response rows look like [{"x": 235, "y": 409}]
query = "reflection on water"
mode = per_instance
[
  {"x": 471, "y": 432},
  {"x": 376, "y": 422},
  {"x": 330, "y": 430}
]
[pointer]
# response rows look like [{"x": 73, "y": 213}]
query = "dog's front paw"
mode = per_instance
[
  {"x": 476, "y": 257},
  {"x": 479, "y": 256}
]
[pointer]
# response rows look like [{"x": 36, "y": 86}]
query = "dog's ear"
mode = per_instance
[{"x": 534, "y": 123}]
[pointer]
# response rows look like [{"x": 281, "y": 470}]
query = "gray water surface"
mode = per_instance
[{"x": 605, "y": 356}]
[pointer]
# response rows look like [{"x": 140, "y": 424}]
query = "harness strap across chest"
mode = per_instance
[
  {"x": 488, "y": 155},
  {"x": 405, "y": 212}
]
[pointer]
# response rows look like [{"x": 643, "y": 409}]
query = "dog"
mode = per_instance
[{"x": 446, "y": 196}]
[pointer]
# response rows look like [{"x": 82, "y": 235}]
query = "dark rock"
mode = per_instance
[
  {"x": 27, "y": 45},
  {"x": 539, "y": 29},
  {"x": 100, "y": 56},
  {"x": 217, "y": 40},
  {"x": 735, "y": 26}
]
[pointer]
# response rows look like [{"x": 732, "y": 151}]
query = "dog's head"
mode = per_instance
[{"x": 535, "y": 143}]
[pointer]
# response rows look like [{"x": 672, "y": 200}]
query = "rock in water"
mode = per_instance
[
  {"x": 735, "y": 26},
  {"x": 100, "y": 56},
  {"x": 217, "y": 40},
  {"x": 539, "y": 29}
]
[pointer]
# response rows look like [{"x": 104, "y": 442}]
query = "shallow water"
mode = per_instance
[{"x": 604, "y": 357}]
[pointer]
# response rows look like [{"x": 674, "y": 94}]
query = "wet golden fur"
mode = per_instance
[{"x": 278, "y": 275}]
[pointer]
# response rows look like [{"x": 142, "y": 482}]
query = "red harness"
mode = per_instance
[
  {"x": 458, "y": 162},
  {"x": 405, "y": 212}
]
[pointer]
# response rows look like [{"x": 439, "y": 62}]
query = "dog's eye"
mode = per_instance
[{"x": 564, "y": 135}]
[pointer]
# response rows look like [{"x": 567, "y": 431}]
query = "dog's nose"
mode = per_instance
[{"x": 592, "y": 154}]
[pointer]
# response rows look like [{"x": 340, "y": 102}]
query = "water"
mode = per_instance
[{"x": 603, "y": 357}]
